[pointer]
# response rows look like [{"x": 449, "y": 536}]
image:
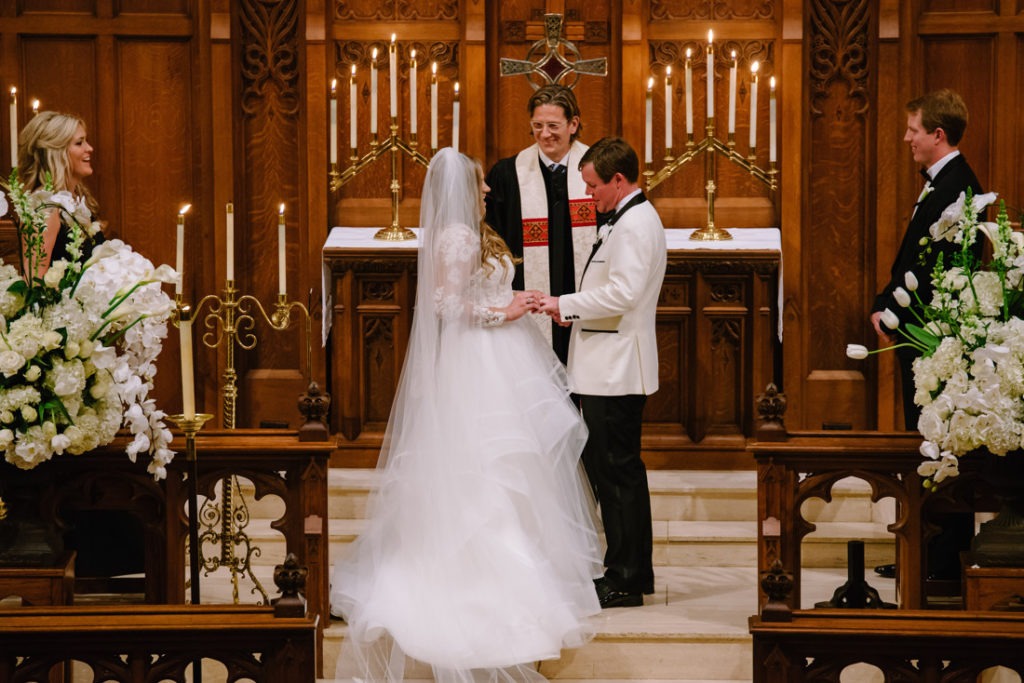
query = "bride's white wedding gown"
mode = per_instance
[{"x": 480, "y": 550}]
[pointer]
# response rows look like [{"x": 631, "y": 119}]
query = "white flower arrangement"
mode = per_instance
[
  {"x": 78, "y": 346},
  {"x": 969, "y": 378}
]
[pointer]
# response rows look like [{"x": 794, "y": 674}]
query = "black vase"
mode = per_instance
[{"x": 1000, "y": 542}]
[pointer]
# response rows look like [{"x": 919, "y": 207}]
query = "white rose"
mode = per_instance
[{"x": 10, "y": 362}]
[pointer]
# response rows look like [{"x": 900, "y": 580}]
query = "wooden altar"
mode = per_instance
[{"x": 717, "y": 325}]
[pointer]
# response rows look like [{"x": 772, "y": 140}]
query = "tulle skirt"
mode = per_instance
[{"x": 480, "y": 548}]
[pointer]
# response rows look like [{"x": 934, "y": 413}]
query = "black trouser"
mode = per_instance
[{"x": 617, "y": 473}]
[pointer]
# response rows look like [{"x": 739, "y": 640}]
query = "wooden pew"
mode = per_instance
[
  {"x": 907, "y": 645},
  {"x": 803, "y": 465},
  {"x": 153, "y": 643}
]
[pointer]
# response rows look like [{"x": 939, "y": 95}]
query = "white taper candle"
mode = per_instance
[
  {"x": 229, "y": 222},
  {"x": 412, "y": 95},
  {"x": 732, "y": 95},
  {"x": 282, "y": 270},
  {"x": 711, "y": 75},
  {"x": 373, "y": 92},
  {"x": 689, "y": 94},
  {"x": 668, "y": 107},
  {"x": 455, "y": 118},
  {"x": 648, "y": 128},
  {"x": 334, "y": 120},
  {"x": 753, "y": 106},
  {"x": 771, "y": 119}
]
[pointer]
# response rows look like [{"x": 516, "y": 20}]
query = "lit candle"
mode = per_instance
[
  {"x": 732, "y": 95},
  {"x": 753, "y": 106},
  {"x": 412, "y": 95},
  {"x": 668, "y": 108},
  {"x": 282, "y": 276},
  {"x": 14, "y": 126},
  {"x": 455, "y": 118},
  {"x": 433, "y": 106},
  {"x": 689, "y": 95},
  {"x": 648, "y": 140},
  {"x": 179, "y": 261},
  {"x": 771, "y": 119},
  {"x": 393, "y": 75},
  {"x": 229, "y": 222},
  {"x": 334, "y": 120},
  {"x": 188, "y": 390},
  {"x": 352, "y": 110},
  {"x": 35, "y": 107},
  {"x": 711, "y": 76},
  {"x": 373, "y": 92}
]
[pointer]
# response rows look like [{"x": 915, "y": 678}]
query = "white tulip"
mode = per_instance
[
  {"x": 856, "y": 351},
  {"x": 911, "y": 281},
  {"x": 901, "y": 296},
  {"x": 890, "y": 319}
]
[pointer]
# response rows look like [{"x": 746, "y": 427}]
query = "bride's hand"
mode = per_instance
[{"x": 522, "y": 303}]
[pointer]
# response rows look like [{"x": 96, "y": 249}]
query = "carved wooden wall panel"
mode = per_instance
[
  {"x": 702, "y": 10},
  {"x": 63, "y": 6},
  {"x": 838, "y": 209},
  {"x": 270, "y": 64}
]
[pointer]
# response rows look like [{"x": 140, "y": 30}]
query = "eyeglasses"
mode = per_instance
[{"x": 550, "y": 126}]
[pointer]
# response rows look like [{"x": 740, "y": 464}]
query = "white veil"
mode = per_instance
[{"x": 459, "y": 490}]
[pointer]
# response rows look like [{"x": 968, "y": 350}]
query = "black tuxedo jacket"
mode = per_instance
[{"x": 955, "y": 177}]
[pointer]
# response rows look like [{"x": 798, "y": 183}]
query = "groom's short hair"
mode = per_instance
[{"x": 612, "y": 155}]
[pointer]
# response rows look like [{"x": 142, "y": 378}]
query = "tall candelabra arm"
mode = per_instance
[
  {"x": 377, "y": 150},
  {"x": 655, "y": 178},
  {"x": 748, "y": 163},
  {"x": 410, "y": 148}
]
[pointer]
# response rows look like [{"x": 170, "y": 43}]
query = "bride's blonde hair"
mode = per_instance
[
  {"x": 43, "y": 148},
  {"x": 491, "y": 244}
]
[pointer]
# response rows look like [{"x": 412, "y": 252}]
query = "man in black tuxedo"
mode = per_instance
[{"x": 935, "y": 125}]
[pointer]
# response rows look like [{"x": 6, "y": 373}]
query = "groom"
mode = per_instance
[{"x": 613, "y": 361}]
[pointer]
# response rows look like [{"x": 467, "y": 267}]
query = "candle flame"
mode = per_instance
[
  {"x": 413, "y": 55},
  {"x": 754, "y": 67},
  {"x": 734, "y": 54},
  {"x": 183, "y": 210},
  {"x": 392, "y": 38},
  {"x": 353, "y": 71},
  {"x": 374, "y": 54},
  {"x": 456, "y": 89},
  {"x": 687, "y": 53},
  {"x": 710, "y": 36},
  {"x": 334, "y": 85},
  {"x": 35, "y": 106},
  {"x": 668, "y": 71},
  {"x": 14, "y": 91},
  {"x": 650, "y": 84},
  {"x": 771, "y": 83},
  {"x": 280, "y": 212},
  {"x": 433, "y": 68}
]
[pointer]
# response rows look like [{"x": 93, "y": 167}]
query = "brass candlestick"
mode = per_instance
[
  {"x": 229, "y": 320},
  {"x": 191, "y": 425}
]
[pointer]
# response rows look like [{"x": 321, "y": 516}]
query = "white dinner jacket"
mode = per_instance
[{"x": 613, "y": 350}]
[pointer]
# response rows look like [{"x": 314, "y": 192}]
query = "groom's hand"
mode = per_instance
[{"x": 549, "y": 305}]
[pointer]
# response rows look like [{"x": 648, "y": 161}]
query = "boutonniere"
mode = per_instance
[
  {"x": 925, "y": 191},
  {"x": 603, "y": 232}
]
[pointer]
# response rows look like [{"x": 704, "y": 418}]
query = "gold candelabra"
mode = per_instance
[
  {"x": 190, "y": 425},
  {"x": 357, "y": 164},
  {"x": 711, "y": 146},
  {"x": 230, "y": 320}
]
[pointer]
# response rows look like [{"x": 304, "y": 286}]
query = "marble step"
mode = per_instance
[
  {"x": 676, "y": 544},
  {"x": 675, "y": 496},
  {"x": 693, "y": 629}
]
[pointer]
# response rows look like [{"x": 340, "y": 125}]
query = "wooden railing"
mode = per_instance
[
  {"x": 907, "y": 645},
  {"x": 154, "y": 643}
]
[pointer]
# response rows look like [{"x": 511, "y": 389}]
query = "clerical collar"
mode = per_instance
[
  {"x": 934, "y": 169},
  {"x": 547, "y": 162}
]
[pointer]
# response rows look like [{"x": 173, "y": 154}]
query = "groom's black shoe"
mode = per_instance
[{"x": 610, "y": 597}]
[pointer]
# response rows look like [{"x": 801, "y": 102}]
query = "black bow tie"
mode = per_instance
[{"x": 924, "y": 174}]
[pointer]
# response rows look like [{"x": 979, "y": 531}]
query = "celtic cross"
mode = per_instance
[{"x": 553, "y": 66}]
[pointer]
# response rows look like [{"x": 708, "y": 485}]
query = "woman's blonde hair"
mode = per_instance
[
  {"x": 491, "y": 244},
  {"x": 43, "y": 148}
]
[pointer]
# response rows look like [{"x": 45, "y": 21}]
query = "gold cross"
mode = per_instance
[{"x": 553, "y": 65}]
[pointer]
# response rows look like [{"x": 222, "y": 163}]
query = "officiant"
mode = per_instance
[{"x": 539, "y": 206}]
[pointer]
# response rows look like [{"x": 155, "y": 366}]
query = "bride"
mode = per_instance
[{"x": 479, "y": 552}]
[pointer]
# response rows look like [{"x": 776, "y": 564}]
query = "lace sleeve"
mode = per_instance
[{"x": 457, "y": 265}]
